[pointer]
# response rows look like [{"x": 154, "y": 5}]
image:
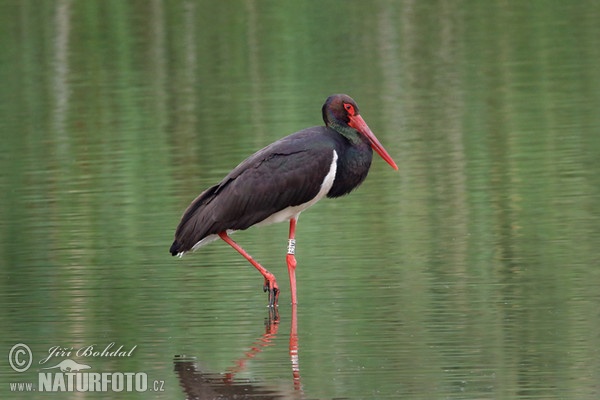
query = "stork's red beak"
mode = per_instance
[{"x": 360, "y": 125}]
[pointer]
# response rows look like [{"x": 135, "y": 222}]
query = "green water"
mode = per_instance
[{"x": 472, "y": 273}]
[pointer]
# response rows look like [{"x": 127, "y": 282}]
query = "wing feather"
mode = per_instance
[{"x": 286, "y": 173}]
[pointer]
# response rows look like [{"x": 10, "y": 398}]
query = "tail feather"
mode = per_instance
[
  {"x": 193, "y": 227},
  {"x": 175, "y": 248}
]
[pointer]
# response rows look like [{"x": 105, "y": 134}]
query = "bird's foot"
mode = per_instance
[{"x": 271, "y": 287}]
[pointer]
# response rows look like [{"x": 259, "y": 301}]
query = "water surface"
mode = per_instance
[{"x": 470, "y": 273}]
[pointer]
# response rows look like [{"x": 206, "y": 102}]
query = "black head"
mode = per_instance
[
  {"x": 340, "y": 112},
  {"x": 338, "y": 109}
]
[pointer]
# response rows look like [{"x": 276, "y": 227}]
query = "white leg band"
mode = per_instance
[{"x": 291, "y": 246}]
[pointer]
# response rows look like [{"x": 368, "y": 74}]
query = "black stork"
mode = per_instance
[{"x": 280, "y": 181}]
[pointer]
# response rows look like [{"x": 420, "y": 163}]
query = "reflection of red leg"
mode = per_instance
[
  {"x": 291, "y": 260},
  {"x": 294, "y": 349},
  {"x": 271, "y": 326},
  {"x": 270, "y": 282}
]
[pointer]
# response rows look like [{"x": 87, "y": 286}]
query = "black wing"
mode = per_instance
[{"x": 286, "y": 173}]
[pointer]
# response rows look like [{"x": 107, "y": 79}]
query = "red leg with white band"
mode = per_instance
[{"x": 291, "y": 260}]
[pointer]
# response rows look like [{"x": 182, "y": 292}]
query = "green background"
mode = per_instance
[{"x": 473, "y": 272}]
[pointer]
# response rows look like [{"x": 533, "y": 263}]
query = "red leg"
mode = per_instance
[
  {"x": 270, "y": 282},
  {"x": 291, "y": 260}
]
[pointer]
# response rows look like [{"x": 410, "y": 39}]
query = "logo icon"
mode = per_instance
[
  {"x": 20, "y": 357},
  {"x": 70, "y": 366}
]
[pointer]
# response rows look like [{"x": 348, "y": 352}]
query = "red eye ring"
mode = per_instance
[{"x": 349, "y": 108}]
